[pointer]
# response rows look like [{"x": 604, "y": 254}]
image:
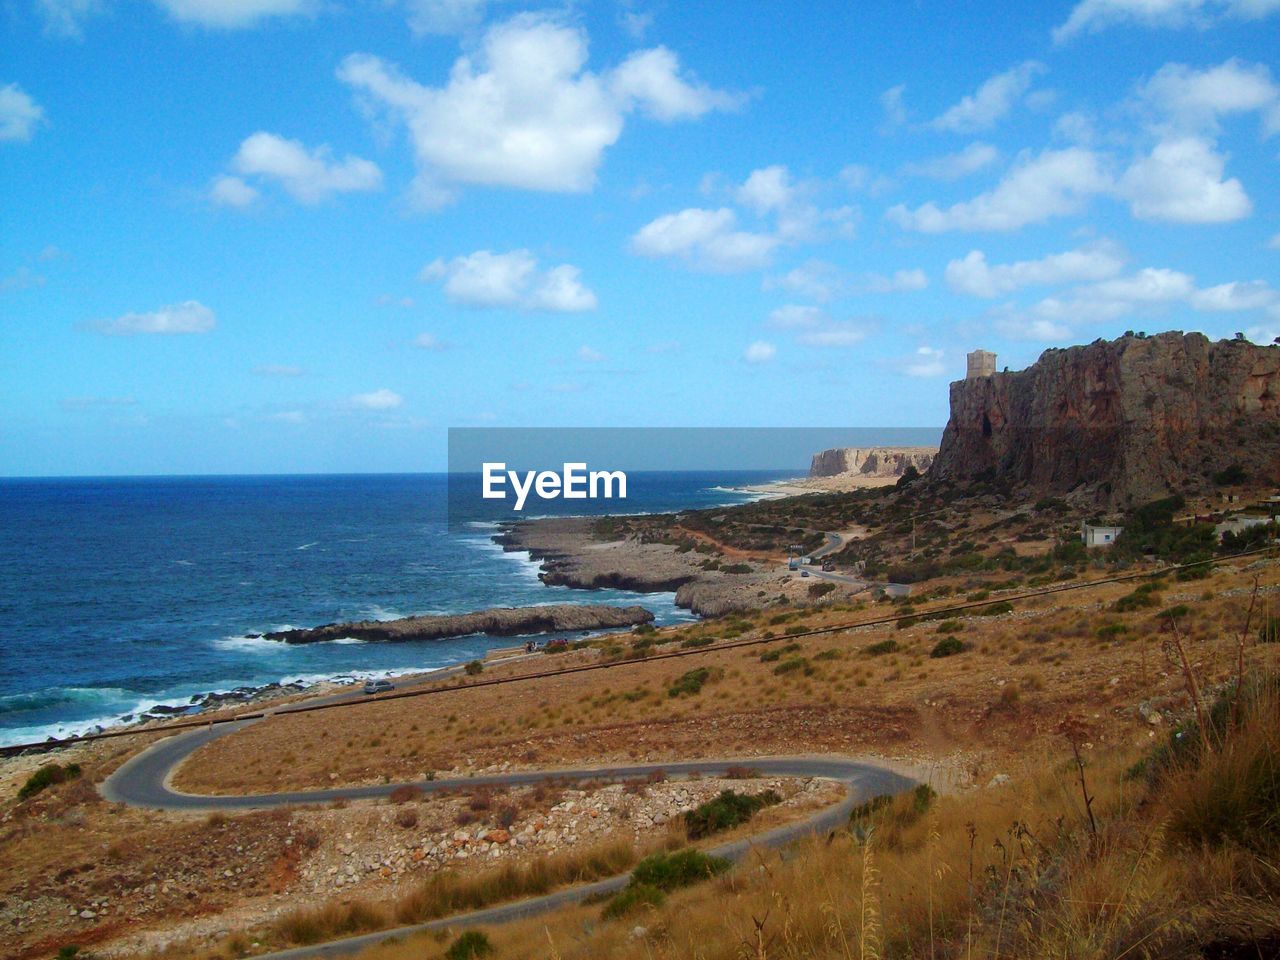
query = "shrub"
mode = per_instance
[
  {"x": 1231, "y": 793},
  {"x": 47, "y": 776},
  {"x": 907, "y": 622},
  {"x": 407, "y": 818},
  {"x": 670, "y": 871},
  {"x": 555, "y": 646},
  {"x": 797, "y": 629},
  {"x": 690, "y": 683},
  {"x": 820, "y": 589},
  {"x": 1270, "y": 631},
  {"x": 1231, "y": 476},
  {"x": 474, "y": 667},
  {"x": 472, "y": 943},
  {"x": 632, "y": 898},
  {"x": 994, "y": 609},
  {"x": 726, "y": 811},
  {"x": 404, "y": 794},
  {"x": 947, "y": 647},
  {"x": 950, "y": 626},
  {"x": 695, "y": 642},
  {"x": 1145, "y": 596},
  {"x": 793, "y": 664},
  {"x": 736, "y": 568},
  {"x": 881, "y": 648}
]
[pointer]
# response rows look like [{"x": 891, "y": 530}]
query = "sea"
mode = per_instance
[{"x": 121, "y": 595}]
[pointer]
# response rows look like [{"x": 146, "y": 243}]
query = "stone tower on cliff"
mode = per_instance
[{"x": 982, "y": 363}]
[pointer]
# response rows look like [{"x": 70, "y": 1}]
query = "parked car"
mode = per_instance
[
  {"x": 828, "y": 566},
  {"x": 804, "y": 573},
  {"x": 378, "y": 686}
]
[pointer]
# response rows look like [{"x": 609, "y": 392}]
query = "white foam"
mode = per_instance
[{"x": 307, "y": 546}]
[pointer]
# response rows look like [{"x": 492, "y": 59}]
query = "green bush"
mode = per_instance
[
  {"x": 632, "y": 898},
  {"x": 473, "y": 943},
  {"x": 694, "y": 642},
  {"x": 994, "y": 609},
  {"x": 792, "y": 665},
  {"x": 726, "y": 811},
  {"x": 947, "y": 647},
  {"x": 474, "y": 667},
  {"x": 950, "y": 626},
  {"x": 670, "y": 871},
  {"x": 881, "y": 648},
  {"x": 555, "y": 646},
  {"x": 690, "y": 683},
  {"x": 47, "y": 776},
  {"x": 820, "y": 589}
]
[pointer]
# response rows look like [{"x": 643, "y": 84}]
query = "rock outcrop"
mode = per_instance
[
  {"x": 871, "y": 461},
  {"x": 1120, "y": 421},
  {"x": 496, "y": 622}
]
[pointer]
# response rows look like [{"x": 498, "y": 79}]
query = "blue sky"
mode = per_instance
[{"x": 311, "y": 235}]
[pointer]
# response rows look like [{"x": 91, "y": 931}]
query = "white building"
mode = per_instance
[
  {"x": 1238, "y": 524},
  {"x": 1099, "y": 536}
]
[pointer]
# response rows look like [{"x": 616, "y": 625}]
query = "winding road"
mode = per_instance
[{"x": 144, "y": 781}]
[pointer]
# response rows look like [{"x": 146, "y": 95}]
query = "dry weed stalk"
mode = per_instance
[
  {"x": 1192, "y": 683},
  {"x": 869, "y": 913},
  {"x": 1076, "y": 731}
]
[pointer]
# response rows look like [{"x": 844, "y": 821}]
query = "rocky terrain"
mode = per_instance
[
  {"x": 495, "y": 622},
  {"x": 872, "y": 461},
  {"x": 572, "y": 556},
  {"x": 1120, "y": 421}
]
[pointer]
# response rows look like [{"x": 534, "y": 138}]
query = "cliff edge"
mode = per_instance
[
  {"x": 871, "y": 461},
  {"x": 1123, "y": 421}
]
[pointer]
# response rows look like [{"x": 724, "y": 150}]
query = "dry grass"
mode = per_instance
[{"x": 1012, "y": 872}]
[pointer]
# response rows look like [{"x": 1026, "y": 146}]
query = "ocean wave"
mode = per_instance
[
  {"x": 58, "y": 696},
  {"x": 307, "y": 546},
  {"x": 248, "y": 644}
]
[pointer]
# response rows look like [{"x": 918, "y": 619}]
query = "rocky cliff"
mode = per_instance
[
  {"x": 871, "y": 462},
  {"x": 496, "y": 622},
  {"x": 1120, "y": 421}
]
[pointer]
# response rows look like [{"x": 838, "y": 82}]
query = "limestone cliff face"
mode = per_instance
[
  {"x": 871, "y": 462},
  {"x": 1124, "y": 420}
]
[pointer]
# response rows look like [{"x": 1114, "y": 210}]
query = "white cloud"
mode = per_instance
[
  {"x": 19, "y": 114},
  {"x": 444, "y": 17},
  {"x": 636, "y": 24},
  {"x": 227, "y": 14},
  {"x": 706, "y": 239},
  {"x": 1092, "y": 16},
  {"x": 651, "y": 80},
  {"x": 760, "y": 351},
  {"x": 1148, "y": 292},
  {"x": 523, "y": 111},
  {"x": 590, "y": 355},
  {"x": 1054, "y": 183},
  {"x": 24, "y": 278},
  {"x": 902, "y": 281},
  {"x": 816, "y": 279},
  {"x": 976, "y": 156},
  {"x": 188, "y": 317},
  {"x": 927, "y": 362},
  {"x": 1181, "y": 181},
  {"x": 974, "y": 276},
  {"x": 65, "y": 18},
  {"x": 232, "y": 192},
  {"x": 767, "y": 189},
  {"x": 1235, "y": 296},
  {"x": 833, "y": 335},
  {"x": 429, "y": 341},
  {"x": 512, "y": 280},
  {"x": 794, "y": 315},
  {"x": 382, "y": 399},
  {"x": 310, "y": 176},
  {"x": 1195, "y": 100},
  {"x": 895, "y": 110},
  {"x": 281, "y": 370},
  {"x": 992, "y": 101}
]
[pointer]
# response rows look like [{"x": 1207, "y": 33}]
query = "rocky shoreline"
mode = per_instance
[
  {"x": 570, "y": 555},
  {"x": 494, "y": 622}
]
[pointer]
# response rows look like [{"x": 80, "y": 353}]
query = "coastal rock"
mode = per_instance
[
  {"x": 495, "y": 622},
  {"x": 871, "y": 461},
  {"x": 1121, "y": 421}
]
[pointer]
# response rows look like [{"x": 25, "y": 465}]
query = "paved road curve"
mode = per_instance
[{"x": 144, "y": 782}]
